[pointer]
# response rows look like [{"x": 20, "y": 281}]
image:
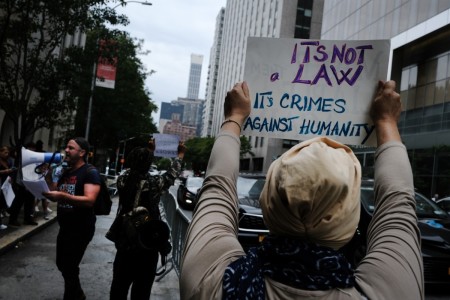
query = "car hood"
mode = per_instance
[
  {"x": 193, "y": 190},
  {"x": 435, "y": 234},
  {"x": 249, "y": 209}
]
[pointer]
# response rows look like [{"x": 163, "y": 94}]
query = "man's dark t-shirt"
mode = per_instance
[{"x": 73, "y": 183}]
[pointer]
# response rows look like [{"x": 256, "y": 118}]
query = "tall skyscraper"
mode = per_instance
[
  {"x": 211, "y": 82},
  {"x": 195, "y": 74}
]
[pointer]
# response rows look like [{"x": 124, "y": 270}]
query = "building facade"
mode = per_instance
[
  {"x": 260, "y": 18},
  {"x": 195, "y": 74},
  {"x": 186, "y": 111},
  {"x": 211, "y": 81},
  {"x": 420, "y": 64}
]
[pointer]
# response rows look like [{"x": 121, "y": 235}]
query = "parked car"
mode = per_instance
[
  {"x": 187, "y": 192},
  {"x": 434, "y": 226},
  {"x": 252, "y": 230},
  {"x": 185, "y": 174},
  {"x": 444, "y": 203}
]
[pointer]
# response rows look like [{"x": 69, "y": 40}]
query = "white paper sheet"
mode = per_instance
[
  {"x": 36, "y": 187},
  {"x": 8, "y": 191}
]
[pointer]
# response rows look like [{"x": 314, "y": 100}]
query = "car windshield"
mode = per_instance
[
  {"x": 194, "y": 182},
  {"x": 249, "y": 189},
  {"x": 425, "y": 208}
]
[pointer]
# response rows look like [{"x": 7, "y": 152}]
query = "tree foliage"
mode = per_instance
[
  {"x": 35, "y": 66},
  {"x": 125, "y": 111},
  {"x": 199, "y": 151}
]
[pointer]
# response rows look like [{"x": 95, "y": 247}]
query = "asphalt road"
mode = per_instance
[{"x": 29, "y": 271}]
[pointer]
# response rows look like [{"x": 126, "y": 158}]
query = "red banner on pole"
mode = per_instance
[{"x": 107, "y": 63}]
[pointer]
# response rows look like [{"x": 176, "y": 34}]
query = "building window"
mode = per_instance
[
  {"x": 424, "y": 87},
  {"x": 261, "y": 142},
  {"x": 256, "y": 142},
  {"x": 244, "y": 164},
  {"x": 258, "y": 164},
  {"x": 287, "y": 144}
]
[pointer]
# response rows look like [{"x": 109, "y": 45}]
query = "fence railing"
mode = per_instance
[{"x": 178, "y": 224}]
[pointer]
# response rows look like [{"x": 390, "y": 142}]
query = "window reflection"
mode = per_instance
[{"x": 424, "y": 89}]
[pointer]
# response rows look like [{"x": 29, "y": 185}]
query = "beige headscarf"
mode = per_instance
[{"x": 313, "y": 191}]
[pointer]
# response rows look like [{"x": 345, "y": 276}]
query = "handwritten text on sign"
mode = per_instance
[
  {"x": 305, "y": 88},
  {"x": 166, "y": 145}
]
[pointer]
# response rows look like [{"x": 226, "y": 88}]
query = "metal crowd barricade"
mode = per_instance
[{"x": 178, "y": 224}]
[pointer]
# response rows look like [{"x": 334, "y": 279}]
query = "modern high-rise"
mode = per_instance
[
  {"x": 211, "y": 82},
  {"x": 420, "y": 64},
  {"x": 195, "y": 74},
  {"x": 188, "y": 113},
  {"x": 259, "y": 18}
]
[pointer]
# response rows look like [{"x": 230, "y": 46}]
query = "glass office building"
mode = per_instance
[{"x": 420, "y": 64}]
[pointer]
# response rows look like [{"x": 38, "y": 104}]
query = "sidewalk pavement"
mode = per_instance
[
  {"x": 164, "y": 288},
  {"x": 12, "y": 236}
]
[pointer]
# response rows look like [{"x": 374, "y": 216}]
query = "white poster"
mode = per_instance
[
  {"x": 166, "y": 145},
  {"x": 306, "y": 88},
  {"x": 7, "y": 191}
]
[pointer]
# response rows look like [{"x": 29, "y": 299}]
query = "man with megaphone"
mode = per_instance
[{"x": 75, "y": 190}]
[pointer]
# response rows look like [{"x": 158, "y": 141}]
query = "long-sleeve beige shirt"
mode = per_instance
[{"x": 392, "y": 268}]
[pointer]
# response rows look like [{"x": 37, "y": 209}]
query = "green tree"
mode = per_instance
[
  {"x": 122, "y": 112},
  {"x": 34, "y": 65},
  {"x": 164, "y": 164},
  {"x": 199, "y": 151}
]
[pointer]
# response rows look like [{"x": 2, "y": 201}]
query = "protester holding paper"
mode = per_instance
[
  {"x": 6, "y": 170},
  {"x": 311, "y": 205},
  {"x": 135, "y": 266}
]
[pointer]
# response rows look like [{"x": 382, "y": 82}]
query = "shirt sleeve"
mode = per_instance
[
  {"x": 392, "y": 268},
  {"x": 211, "y": 242},
  {"x": 93, "y": 176}
]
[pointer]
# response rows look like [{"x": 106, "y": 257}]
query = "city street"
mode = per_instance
[{"x": 29, "y": 271}]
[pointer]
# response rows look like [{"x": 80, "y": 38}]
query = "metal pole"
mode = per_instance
[{"x": 88, "y": 122}]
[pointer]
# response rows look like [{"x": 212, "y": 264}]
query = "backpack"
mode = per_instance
[{"x": 103, "y": 203}]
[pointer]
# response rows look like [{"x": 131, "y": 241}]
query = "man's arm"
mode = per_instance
[{"x": 91, "y": 188}]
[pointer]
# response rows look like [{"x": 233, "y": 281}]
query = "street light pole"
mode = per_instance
[
  {"x": 123, "y": 4},
  {"x": 94, "y": 74},
  {"x": 88, "y": 122}
]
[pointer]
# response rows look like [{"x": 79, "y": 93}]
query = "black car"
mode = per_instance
[
  {"x": 434, "y": 226},
  {"x": 187, "y": 191},
  {"x": 251, "y": 224},
  {"x": 444, "y": 203}
]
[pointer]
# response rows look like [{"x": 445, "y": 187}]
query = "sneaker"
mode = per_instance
[
  {"x": 49, "y": 210},
  {"x": 36, "y": 208},
  {"x": 3, "y": 227},
  {"x": 46, "y": 216}
]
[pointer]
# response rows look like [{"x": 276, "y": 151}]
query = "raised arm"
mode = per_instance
[
  {"x": 211, "y": 242},
  {"x": 392, "y": 268}
]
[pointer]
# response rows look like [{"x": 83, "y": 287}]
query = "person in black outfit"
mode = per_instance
[
  {"x": 134, "y": 266},
  {"x": 75, "y": 192}
]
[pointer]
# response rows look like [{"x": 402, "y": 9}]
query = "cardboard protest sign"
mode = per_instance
[
  {"x": 306, "y": 88},
  {"x": 166, "y": 145}
]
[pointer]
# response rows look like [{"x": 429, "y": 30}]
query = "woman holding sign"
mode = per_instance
[
  {"x": 311, "y": 205},
  {"x": 136, "y": 260}
]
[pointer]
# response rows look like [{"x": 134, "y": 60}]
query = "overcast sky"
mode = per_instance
[{"x": 172, "y": 30}]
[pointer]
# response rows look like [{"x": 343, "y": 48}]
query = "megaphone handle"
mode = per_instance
[{"x": 38, "y": 168}]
